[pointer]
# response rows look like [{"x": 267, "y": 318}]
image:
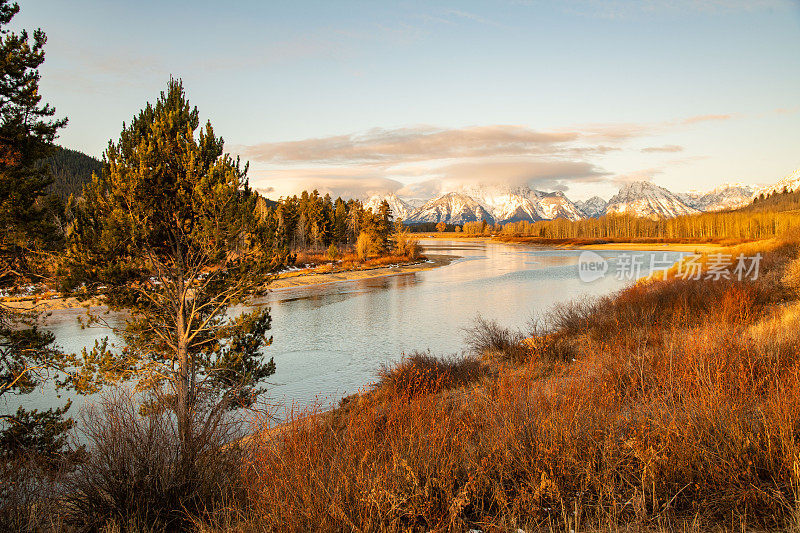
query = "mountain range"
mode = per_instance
[{"x": 503, "y": 204}]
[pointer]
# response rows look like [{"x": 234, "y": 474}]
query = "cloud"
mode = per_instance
[
  {"x": 542, "y": 174},
  {"x": 474, "y": 18},
  {"x": 667, "y": 148},
  {"x": 637, "y": 175},
  {"x": 705, "y": 118},
  {"x": 423, "y": 189},
  {"x": 426, "y": 143},
  {"x": 364, "y": 181},
  {"x": 412, "y": 144},
  {"x": 336, "y": 182},
  {"x": 423, "y": 161},
  {"x": 535, "y": 173},
  {"x": 615, "y": 132},
  {"x": 625, "y": 9}
]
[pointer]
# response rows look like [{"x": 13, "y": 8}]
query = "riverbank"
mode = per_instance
[
  {"x": 670, "y": 405},
  {"x": 296, "y": 278},
  {"x": 47, "y": 302},
  {"x": 312, "y": 277},
  {"x": 647, "y": 245}
]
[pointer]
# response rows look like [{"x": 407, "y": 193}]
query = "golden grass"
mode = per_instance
[
  {"x": 672, "y": 405},
  {"x": 321, "y": 263}
]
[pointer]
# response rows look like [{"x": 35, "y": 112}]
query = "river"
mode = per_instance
[{"x": 330, "y": 340}]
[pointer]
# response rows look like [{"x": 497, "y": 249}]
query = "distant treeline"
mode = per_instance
[
  {"x": 767, "y": 217},
  {"x": 474, "y": 227},
  {"x": 311, "y": 221}
]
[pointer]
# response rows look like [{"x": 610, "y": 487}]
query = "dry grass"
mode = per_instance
[
  {"x": 321, "y": 263},
  {"x": 421, "y": 373},
  {"x": 681, "y": 410},
  {"x": 135, "y": 477},
  {"x": 672, "y": 405}
]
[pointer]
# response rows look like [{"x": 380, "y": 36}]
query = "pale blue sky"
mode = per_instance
[{"x": 356, "y": 97}]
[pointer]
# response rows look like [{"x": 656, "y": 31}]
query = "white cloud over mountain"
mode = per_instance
[{"x": 425, "y": 161}]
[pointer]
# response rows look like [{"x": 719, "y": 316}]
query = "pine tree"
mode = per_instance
[
  {"x": 28, "y": 236},
  {"x": 169, "y": 233},
  {"x": 384, "y": 221}
]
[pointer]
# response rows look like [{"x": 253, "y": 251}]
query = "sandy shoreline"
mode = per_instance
[
  {"x": 650, "y": 247},
  {"x": 700, "y": 247},
  {"x": 291, "y": 280},
  {"x": 283, "y": 281}
]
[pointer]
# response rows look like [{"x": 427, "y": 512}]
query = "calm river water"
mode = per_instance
[{"x": 330, "y": 340}]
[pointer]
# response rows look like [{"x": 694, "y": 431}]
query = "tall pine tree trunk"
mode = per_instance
[
  {"x": 182, "y": 381},
  {"x": 182, "y": 385}
]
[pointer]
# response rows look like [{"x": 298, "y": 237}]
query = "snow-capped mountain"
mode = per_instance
[
  {"x": 503, "y": 204},
  {"x": 512, "y": 204},
  {"x": 400, "y": 208},
  {"x": 790, "y": 183},
  {"x": 645, "y": 199},
  {"x": 724, "y": 197},
  {"x": 556, "y": 205},
  {"x": 453, "y": 208},
  {"x": 592, "y": 208}
]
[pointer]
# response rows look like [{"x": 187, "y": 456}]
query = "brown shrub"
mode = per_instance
[
  {"x": 422, "y": 373},
  {"x": 29, "y": 490},
  {"x": 488, "y": 339},
  {"x": 136, "y": 477}
]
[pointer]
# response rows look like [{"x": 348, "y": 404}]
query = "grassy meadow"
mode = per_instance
[{"x": 671, "y": 405}]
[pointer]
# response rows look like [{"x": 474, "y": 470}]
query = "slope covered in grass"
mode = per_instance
[{"x": 670, "y": 404}]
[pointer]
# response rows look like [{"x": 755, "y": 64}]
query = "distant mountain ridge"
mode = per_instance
[
  {"x": 498, "y": 204},
  {"x": 645, "y": 199},
  {"x": 400, "y": 208},
  {"x": 593, "y": 207},
  {"x": 452, "y": 208},
  {"x": 501, "y": 204},
  {"x": 724, "y": 197}
]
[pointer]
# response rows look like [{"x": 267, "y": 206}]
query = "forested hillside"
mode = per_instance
[
  {"x": 71, "y": 170},
  {"x": 777, "y": 201}
]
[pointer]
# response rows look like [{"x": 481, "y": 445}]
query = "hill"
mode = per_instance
[
  {"x": 71, "y": 170},
  {"x": 776, "y": 201}
]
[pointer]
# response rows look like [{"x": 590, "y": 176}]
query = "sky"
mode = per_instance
[{"x": 418, "y": 98}]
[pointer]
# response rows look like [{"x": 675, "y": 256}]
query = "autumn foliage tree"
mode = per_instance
[{"x": 170, "y": 234}]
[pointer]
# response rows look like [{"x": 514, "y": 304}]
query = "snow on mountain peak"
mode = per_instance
[
  {"x": 400, "y": 208},
  {"x": 790, "y": 183},
  {"x": 593, "y": 207},
  {"x": 729, "y": 196},
  {"x": 556, "y": 205},
  {"x": 511, "y": 203},
  {"x": 453, "y": 208},
  {"x": 645, "y": 199}
]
